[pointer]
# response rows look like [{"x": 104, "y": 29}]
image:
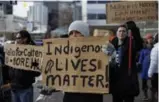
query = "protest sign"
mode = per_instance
[
  {"x": 131, "y": 10},
  {"x": 26, "y": 57},
  {"x": 102, "y": 32},
  {"x": 76, "y": 65}
]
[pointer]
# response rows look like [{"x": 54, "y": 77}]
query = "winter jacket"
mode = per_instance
[
  {"x": 82, "y": 97},
  {"x": 121, "y": 82},
  {"x": 144, "y": 60},
  {"x": 22, "y": 79},
  {"x": 154, "y": 60},
  {"x": 4, "y": 68}
]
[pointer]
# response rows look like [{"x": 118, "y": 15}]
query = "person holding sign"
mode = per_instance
[
  {"x": 124, "y": 85},
  {"x": 22, "y": 80},
  {"x": 153, "y": 69},
  {"x": 80, "y": 29}
]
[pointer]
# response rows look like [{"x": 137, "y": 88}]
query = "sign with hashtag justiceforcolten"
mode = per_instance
[{"x": 26, "y": 57}]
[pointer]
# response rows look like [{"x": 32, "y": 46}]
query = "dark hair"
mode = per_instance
[
  {"x": 130, "y": 24},
  {"x": 25, "y": 34},
  {"x": 64, "y": 36},
  {"x": 123, "y": 26}
]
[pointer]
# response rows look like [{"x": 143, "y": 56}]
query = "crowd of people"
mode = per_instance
[{"x": 129, "y": 53}]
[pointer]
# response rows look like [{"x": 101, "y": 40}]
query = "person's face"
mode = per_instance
[
  {"x": 150, "y": 41},
  {"x": 20, "y": 40},
  {"x": 75, "y": 34},
  {"x": 121, "y": 33}
]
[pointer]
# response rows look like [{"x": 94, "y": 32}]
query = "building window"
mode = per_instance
[
  {"x": 91, "y": 2},
  {"x": 98, "y": 1},
  {"x": 92, "y": 16},
  {"x": 103, "y": 2},
  {"x": 101, "y": 16},
  {"x": 1, "y": 7},
  {"x": 8, "y": 9}
]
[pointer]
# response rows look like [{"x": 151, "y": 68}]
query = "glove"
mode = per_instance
[
  {"x": 108, "y": 49},
  {"x": 5, "y": 86},
  {"x": 45, "y": 90}
]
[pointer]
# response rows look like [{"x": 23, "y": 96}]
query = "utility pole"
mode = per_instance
[{"x": 84, "y": 10}]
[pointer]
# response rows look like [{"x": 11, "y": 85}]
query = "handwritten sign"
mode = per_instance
[
  {"x": 26, "y": 57},
  {"x": 76, "y": 65},
  {"x": 131, "y": 10},
  {"x": 102, "y": 32}
]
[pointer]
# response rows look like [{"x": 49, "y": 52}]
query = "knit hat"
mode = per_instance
[
  {"x": 148, "y": 36},
  {"x": 79, "y": 26}
]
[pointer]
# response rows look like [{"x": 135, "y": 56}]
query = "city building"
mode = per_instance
[
  {"x": 37, "y": 20},
  {"x": 38, "y": 15},
  {"x": 61, "y": 14},
  {"x": 6, "y": 8},
  {"x": 94, "y": 13}
]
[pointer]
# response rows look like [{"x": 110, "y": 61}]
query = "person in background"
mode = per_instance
[
  {"x": 144, "y": 61},
  {"x": 153, "y": 69},
  {"x": 80, "y": 29},
  {"x": 112, "y": 36},
  {"x": 124, "y": 85},
  {"x": 5, "y": 92},
  {"x": 3, "y": 76},
  {"x": 21, "y": 80}
]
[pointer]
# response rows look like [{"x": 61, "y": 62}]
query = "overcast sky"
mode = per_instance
[{"x": 21, "y": 8}]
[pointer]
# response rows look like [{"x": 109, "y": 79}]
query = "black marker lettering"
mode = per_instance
[{"x": 48, "y": 51}]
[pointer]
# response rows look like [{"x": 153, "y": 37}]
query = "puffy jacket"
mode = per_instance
[
  {"x": 154, "y": 61},
  {"x": 144, "y": 60},
  {"x": 121, "y": 83}
]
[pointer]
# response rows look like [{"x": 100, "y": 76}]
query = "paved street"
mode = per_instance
[{"x": 58, "y": 96}]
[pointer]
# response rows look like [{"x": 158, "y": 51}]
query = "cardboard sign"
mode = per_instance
[
  {"x": 26, "y": 57},
  {"x": 102, "y": 32},
  {"x": 76, "y": 65},
  {"x": 131, "y": 10}
]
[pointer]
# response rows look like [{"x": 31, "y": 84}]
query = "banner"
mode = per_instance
[
  {"x": 76, "y": 65},
  {"x": 102, "y": 32},
  {"x": 120, "y": 12},
  {"x": 26, "y": 57}
]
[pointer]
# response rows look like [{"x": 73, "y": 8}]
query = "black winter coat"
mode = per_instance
[
  {"x": 22, "y": 79},
  {"x": 121, "y": 83},
  {"x": 82, "y": 97}
]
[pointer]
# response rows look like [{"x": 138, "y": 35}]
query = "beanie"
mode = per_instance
[
  {"x": 148, "y": 36},
  {"x": 79, "y": 26}
]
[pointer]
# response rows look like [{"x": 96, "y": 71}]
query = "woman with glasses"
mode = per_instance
[{"x": 22, "y": 80}]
